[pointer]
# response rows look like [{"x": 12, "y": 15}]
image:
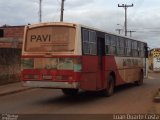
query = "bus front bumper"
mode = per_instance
[{"x": 39, "y": 84}]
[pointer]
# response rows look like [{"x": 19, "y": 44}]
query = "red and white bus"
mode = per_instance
[{"x": 71, "y": 56}]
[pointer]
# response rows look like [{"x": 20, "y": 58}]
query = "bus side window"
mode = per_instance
[
  {"x": 134, "y": 49},
  {"x": 127, "y": 47},
  {"x": 139, "y": 49},
  {"x": 113, "y": 45},
  {"x": 117, "y": 45},
  {"x": 89, "y": 42},
  {"x": 85, "y": 36},
  {"x": 93, "y": 42},
  {"x": 120, "y": 48},
  {"x": 107, "y": 44}
]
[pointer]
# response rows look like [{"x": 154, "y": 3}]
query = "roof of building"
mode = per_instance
[{"x": 8, "y": 26}]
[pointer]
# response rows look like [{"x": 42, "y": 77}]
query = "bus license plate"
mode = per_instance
[{"x": 47, "y": 77}]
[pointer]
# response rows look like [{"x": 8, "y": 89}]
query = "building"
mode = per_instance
[
  {"x": 10, "y": 53},
  {"x": 154, "y": 60},
  {"x": 11, "y": 36}
]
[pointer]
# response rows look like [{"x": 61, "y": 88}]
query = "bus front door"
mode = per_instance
[{"x": 100, "y": 53}]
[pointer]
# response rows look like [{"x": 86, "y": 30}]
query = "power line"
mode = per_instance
[
  {"x": 146, "y": 30},
  {"x": 125, "y": 7},
  {"x": 56, "y": 15},
  {"x": 131, "y": 31},
  {"x": 156, "y": 28},
  {"x": 119, "y": 30}
]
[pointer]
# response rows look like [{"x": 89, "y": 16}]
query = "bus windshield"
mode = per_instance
[{"x": 50, "y": 39}]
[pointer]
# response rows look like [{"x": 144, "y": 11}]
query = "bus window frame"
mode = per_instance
[
  {"x": 89, "y": 42},
  {"x": 29, "y": 28}
]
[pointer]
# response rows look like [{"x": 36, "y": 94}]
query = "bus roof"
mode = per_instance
[
  {"x": 51, "y": 23},
  {"x": 80, "y": 25},
  {"x": 92, "y": 28}
]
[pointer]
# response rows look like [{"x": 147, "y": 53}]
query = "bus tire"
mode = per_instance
[
  {"x": 70, "y": 91},
  {"x": 110, "y": 87},
  {"x": 140, "y": 81}
]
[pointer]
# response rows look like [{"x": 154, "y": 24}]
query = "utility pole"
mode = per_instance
[
  {"x": 131, "y": 32},
  {"x": 119, "y": 30},
  {"x": 62, "y": 10},
  {"x": 40, "y": 11},
  {"x": 125, "y": 7}
]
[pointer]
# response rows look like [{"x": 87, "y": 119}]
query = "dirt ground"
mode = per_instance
[{"x": 152, "y": 76}]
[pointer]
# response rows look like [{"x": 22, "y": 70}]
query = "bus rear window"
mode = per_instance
[{"x": 50, "y": 39}]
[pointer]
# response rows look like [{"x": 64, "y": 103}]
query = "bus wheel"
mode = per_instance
[
  {"x": 110, "y": 87},
  {"x": 70, "y": 91},
  {"x": 140, "y": 81}
]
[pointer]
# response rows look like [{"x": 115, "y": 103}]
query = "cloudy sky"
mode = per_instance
[{"x": 144, "y": 17}]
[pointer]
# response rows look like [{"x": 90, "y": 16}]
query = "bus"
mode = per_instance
[{"x": 74, "y": 57}]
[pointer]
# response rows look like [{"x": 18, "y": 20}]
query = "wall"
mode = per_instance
[
  {"x": 10, "y": 60},
  {"x": 14, "y": 32},
  {"x": 10, "y": 53}
]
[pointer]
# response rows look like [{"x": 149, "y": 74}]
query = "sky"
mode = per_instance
[{"x": 143, "y": 17}]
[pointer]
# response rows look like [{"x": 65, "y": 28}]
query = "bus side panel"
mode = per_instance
[
  {"x": 89, "y": 73},
  {"x": 131, "y": 74},
  {"x": 111, "y": 66}
]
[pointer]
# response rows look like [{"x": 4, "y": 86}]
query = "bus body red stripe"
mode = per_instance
[
  {"x": 50, "y": 56},
  {"x": 53, "y": 73}
]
